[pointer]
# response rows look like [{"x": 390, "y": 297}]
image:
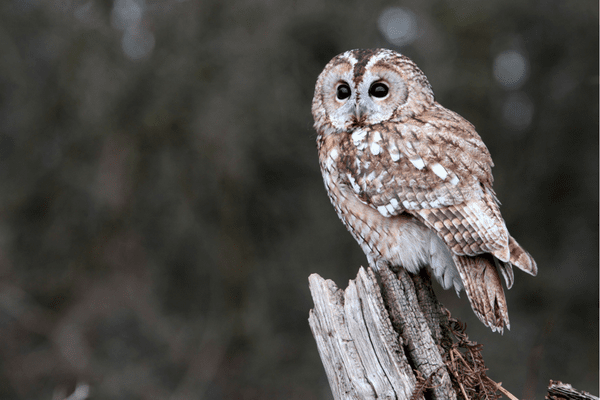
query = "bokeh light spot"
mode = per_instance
[
  {"x": 511, "y": 69},
  {"x": 127, "y": 13},
  {"x": 517, "y": 111},
  {"x": 137, "y": 42},
  {"x": 398, "y": 25}
]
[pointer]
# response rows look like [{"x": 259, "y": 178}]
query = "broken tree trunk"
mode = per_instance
[
  {"x": 363, "y": 355},
  {"x": 392, "y": 339},
  {"x": 360, "y": 350}
]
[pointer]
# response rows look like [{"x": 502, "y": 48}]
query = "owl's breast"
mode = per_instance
[{"x": 400, "y": 240}]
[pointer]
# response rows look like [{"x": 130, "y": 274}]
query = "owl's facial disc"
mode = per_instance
[
  {"x": 339, "y": 98},
  {"x": 380, "y": 94},
  {"x": 358, "y": 94},
  {"x": 378, "y": 91}
]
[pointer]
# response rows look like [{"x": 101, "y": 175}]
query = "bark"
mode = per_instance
[
  {"x": 387, "y": 337},
  {"x": 363, "y": 354}
]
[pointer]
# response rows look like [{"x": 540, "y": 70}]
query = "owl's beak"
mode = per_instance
[{"x": 360, "y": 113}]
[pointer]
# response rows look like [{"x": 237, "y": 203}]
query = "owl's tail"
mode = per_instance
[
  {"x": 484, "y": 290},
  {"x": 480, "y": 277},
  {"x": 520, "y": 258}
]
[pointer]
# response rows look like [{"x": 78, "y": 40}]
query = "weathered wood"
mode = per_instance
[
  {"x": 360, "y": 350},
  {"x": 431, "y": 307},
  {"x": 394, "y": 340},
  {"x": 563, "y": 391},
  {"x": 407, "y": 316},
  {"x": 357, "y": 333}
]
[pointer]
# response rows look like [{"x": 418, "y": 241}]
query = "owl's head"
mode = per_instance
[{"x": 359, "y": 88}]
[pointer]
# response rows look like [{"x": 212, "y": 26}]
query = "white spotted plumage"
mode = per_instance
[
  {"x": 412, "y": 180},
  {"x": 439, "y": 171}
]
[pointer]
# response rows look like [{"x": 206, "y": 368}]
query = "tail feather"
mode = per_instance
[
  {"x": 521, "y": 258},
  {"x": 484, "y": 290},
  {"x": 507, "y": 272}
]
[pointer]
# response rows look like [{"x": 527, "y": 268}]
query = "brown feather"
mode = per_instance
[
  {"x": 412, "y": 180},
  {"x": 484, "y": 290}
]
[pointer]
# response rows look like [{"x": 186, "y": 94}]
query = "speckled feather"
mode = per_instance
[{"x": 412, "y": 180}]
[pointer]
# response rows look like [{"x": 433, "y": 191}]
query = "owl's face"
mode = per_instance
[{"x": 365, "y": 87}]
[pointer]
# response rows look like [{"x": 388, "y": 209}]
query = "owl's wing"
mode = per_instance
[{"x": 438, "y": 171}]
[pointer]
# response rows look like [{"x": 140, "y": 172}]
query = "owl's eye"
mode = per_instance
[
  {"x": 379, "y": 90},
  {"x": 343, "y": 91}
]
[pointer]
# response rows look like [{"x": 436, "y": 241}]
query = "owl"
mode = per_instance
[{"x": 411, "y": 180}]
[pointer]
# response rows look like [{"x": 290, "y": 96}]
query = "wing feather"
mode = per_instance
[{"x": 443, "y": 180}]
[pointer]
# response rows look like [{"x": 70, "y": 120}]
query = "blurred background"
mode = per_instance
[{"x": 162, "y": 205}]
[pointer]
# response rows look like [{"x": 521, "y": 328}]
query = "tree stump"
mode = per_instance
[
  {"x": 563, "y": 391},
  {"x": 387, "y": 336},
  {"x": 361, "y": 352}
]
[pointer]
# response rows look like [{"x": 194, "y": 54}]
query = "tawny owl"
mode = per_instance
[{"x": 412, "y": 180}]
